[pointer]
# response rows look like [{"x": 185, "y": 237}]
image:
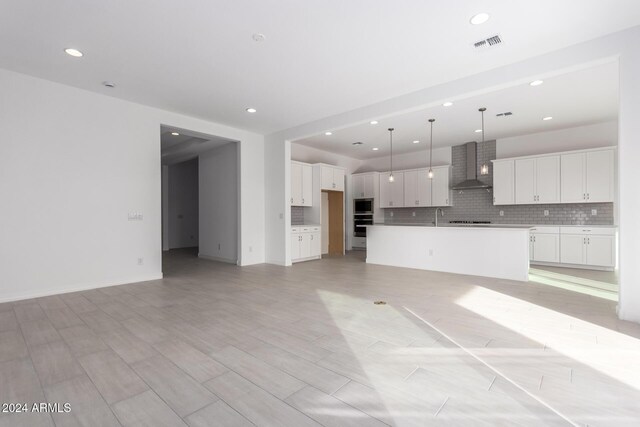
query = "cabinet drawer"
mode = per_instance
[
  {"x": 589, "y": 231},
  {"x": 545, "y": 230}
]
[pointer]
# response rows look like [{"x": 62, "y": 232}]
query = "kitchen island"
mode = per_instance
[{"x": 486, "y": 250}]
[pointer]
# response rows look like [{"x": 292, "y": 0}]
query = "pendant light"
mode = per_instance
[
  {"x": 391, "y": 178},
  {"x": 484, "y": 169},
  {"x": 430, "y": 174}
]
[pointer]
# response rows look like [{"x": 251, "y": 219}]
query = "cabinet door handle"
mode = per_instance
[
  {"x": 587, "y": 196},
  {"x": 312, "y": 237},
  {"x": 292, "y": 200},
  {"x": 588, "y": 241}
]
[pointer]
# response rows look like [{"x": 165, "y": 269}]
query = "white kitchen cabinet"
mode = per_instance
[
  {"x": 392, "y": 193},
  {"x": 440, "y": 186},
  {"x": 588, "y": 246},
  {"x": 332, "y": 178},
  {"x": 544, "y": 244},
  {"x": 537, "y": 180},
  {"x": 301, "y": 184},
  {"x": 305, "y": 243},
  {"x": 503, "y": 182},
  {"x": 588, "y": 177},
  {"x": 417, "y": 188},
  {"x": 363, "y": 186}
]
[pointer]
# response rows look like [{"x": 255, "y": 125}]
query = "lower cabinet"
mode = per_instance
[
  {"x": 588, "y": 246},
  {"x": 305, "y": 243},
  {"x": 544, "y": 244}
]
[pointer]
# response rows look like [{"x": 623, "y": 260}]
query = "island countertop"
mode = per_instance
[{"x": 481, "y": 250}]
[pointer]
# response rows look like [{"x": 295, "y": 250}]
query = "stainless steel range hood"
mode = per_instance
[{"x": 472, "y": 182}]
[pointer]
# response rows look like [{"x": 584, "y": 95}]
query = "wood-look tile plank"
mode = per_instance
[
  {"x": 12, "y": 346},
  {"x": 129, "y": 347},
  {"x": 146, "y": 410},
  {"x": 88, "y": 408},
  {"x": 63, "y": 317},
  {"x": 54, "y": 363},
  {"x": 39, "y": 332},
  {"x": 114, "y": 379},
  {"x": 217, "y": 414},
  {"x": 329, "y": 411},
  {"x": 181, "y": 392},
  {"x": 82, "y": 340},
  {"x": 195, "y": 363},
  {"x": 29, "y": 312},
  {"x": 255, "y": 404},
  {"x": 8, "y": 321},
  {"x": 277, "y": 382}
]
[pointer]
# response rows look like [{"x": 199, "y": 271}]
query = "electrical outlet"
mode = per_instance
[
  {"x": 140, "y": 261},
  {"x": 430, "y": 252},
  {"x": 413, "y": 214},
  {"x": 546, "y": 212},
  {"x": 501, "y": 213},
  {"x": 134, "y": 216},
  {"x": 250, "y": 248},
  {"x": 281, "y": 216},
  {"x": 594, "y": 212},
  {"x": 391, "y": 214}
]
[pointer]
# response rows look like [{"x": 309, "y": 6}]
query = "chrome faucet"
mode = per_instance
[{"x": 441, "y": 214}]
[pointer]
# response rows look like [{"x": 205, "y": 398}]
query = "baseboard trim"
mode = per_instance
[
  {"x": 80, "y": 288},
  {"x": 214, "y": 258},
  {"x": 576, "y": 266}
]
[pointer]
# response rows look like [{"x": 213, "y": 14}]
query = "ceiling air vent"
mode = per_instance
[
  {"x": 488, "y": 42},
  {"x": 506, "y": 114}
]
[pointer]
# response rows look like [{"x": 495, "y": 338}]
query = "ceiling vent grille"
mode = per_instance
[
  {"x": 488, "y": 42},
  {"x": 506, "y": 114}
]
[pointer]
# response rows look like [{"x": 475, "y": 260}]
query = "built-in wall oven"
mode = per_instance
[{"x": 362, "y": 216}]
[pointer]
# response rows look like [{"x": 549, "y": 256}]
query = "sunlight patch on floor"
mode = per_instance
[{"x": 575, "y": 284}]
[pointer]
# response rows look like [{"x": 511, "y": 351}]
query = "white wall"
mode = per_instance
[
  {"x": 73, "y": 164},
  {"x": 183, "y": 204},
  {"x": 576, "y": 138},
  {"x": 441, "y": 157},
  {"x": 303, "y": 153},
  {"x": 219, "y": 203}
]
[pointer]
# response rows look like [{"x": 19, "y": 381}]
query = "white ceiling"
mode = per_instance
[
  {"x": 185, "y": 146},
  {"x": 320, "y": 57},
  {"x": 578, "y": 98}
]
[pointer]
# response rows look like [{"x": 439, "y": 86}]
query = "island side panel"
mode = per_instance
[{"x": 491, "y": 252}]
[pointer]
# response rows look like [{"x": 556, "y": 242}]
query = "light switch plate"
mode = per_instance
[
  {"x": 594, "y": 212},
  {"x": 391, "y": 213},
  {"x": 546, "y": 212},
  {"x": 501, "y": 213},
  {"x": 413, "y": 214}
]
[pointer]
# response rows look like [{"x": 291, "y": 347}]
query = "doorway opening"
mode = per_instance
[{"x": 200, "y": 196}]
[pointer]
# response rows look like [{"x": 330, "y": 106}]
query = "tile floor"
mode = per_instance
[{"x": 218, "y": 345}]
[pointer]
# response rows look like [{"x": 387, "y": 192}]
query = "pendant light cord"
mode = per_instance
[
  {"x": 431, "y": 144},
  {"x": 391, "y": 149}
]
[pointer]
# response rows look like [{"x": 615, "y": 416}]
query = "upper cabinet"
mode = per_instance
[
  {"x": 332, "y": 178},
  {"x": 537, "y": 180},
  {"x": 441, "y": 186},
  {"x": 503, "y": 182},
  {"x": 417, "y": 188},
  {"x": 363, "y": 185},
  {"x": 301, "y": 184},
  {"x": 587, "y": 177},
  {"x": 392, "y": 193}
]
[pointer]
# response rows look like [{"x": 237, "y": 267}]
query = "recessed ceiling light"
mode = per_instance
[
  {"x": 73, "y": 52},
  {"x": 375, "y": 149},
  {"x": 373, "y": 122},
  {"x": 536, "y": 83},
  {"x": 447, "y": 104},
  {"x": 328, "y": 133},
  {"x": 175, "y": 133},
  {"x": 480, "y": 18},
  {"x": 416, "y": 142},
  {"x": 258, "y": 37},
  {"x": 478, "y": 130},
  {"x": 251, "y": 110},
  {"x": 547, "y": 118}
]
